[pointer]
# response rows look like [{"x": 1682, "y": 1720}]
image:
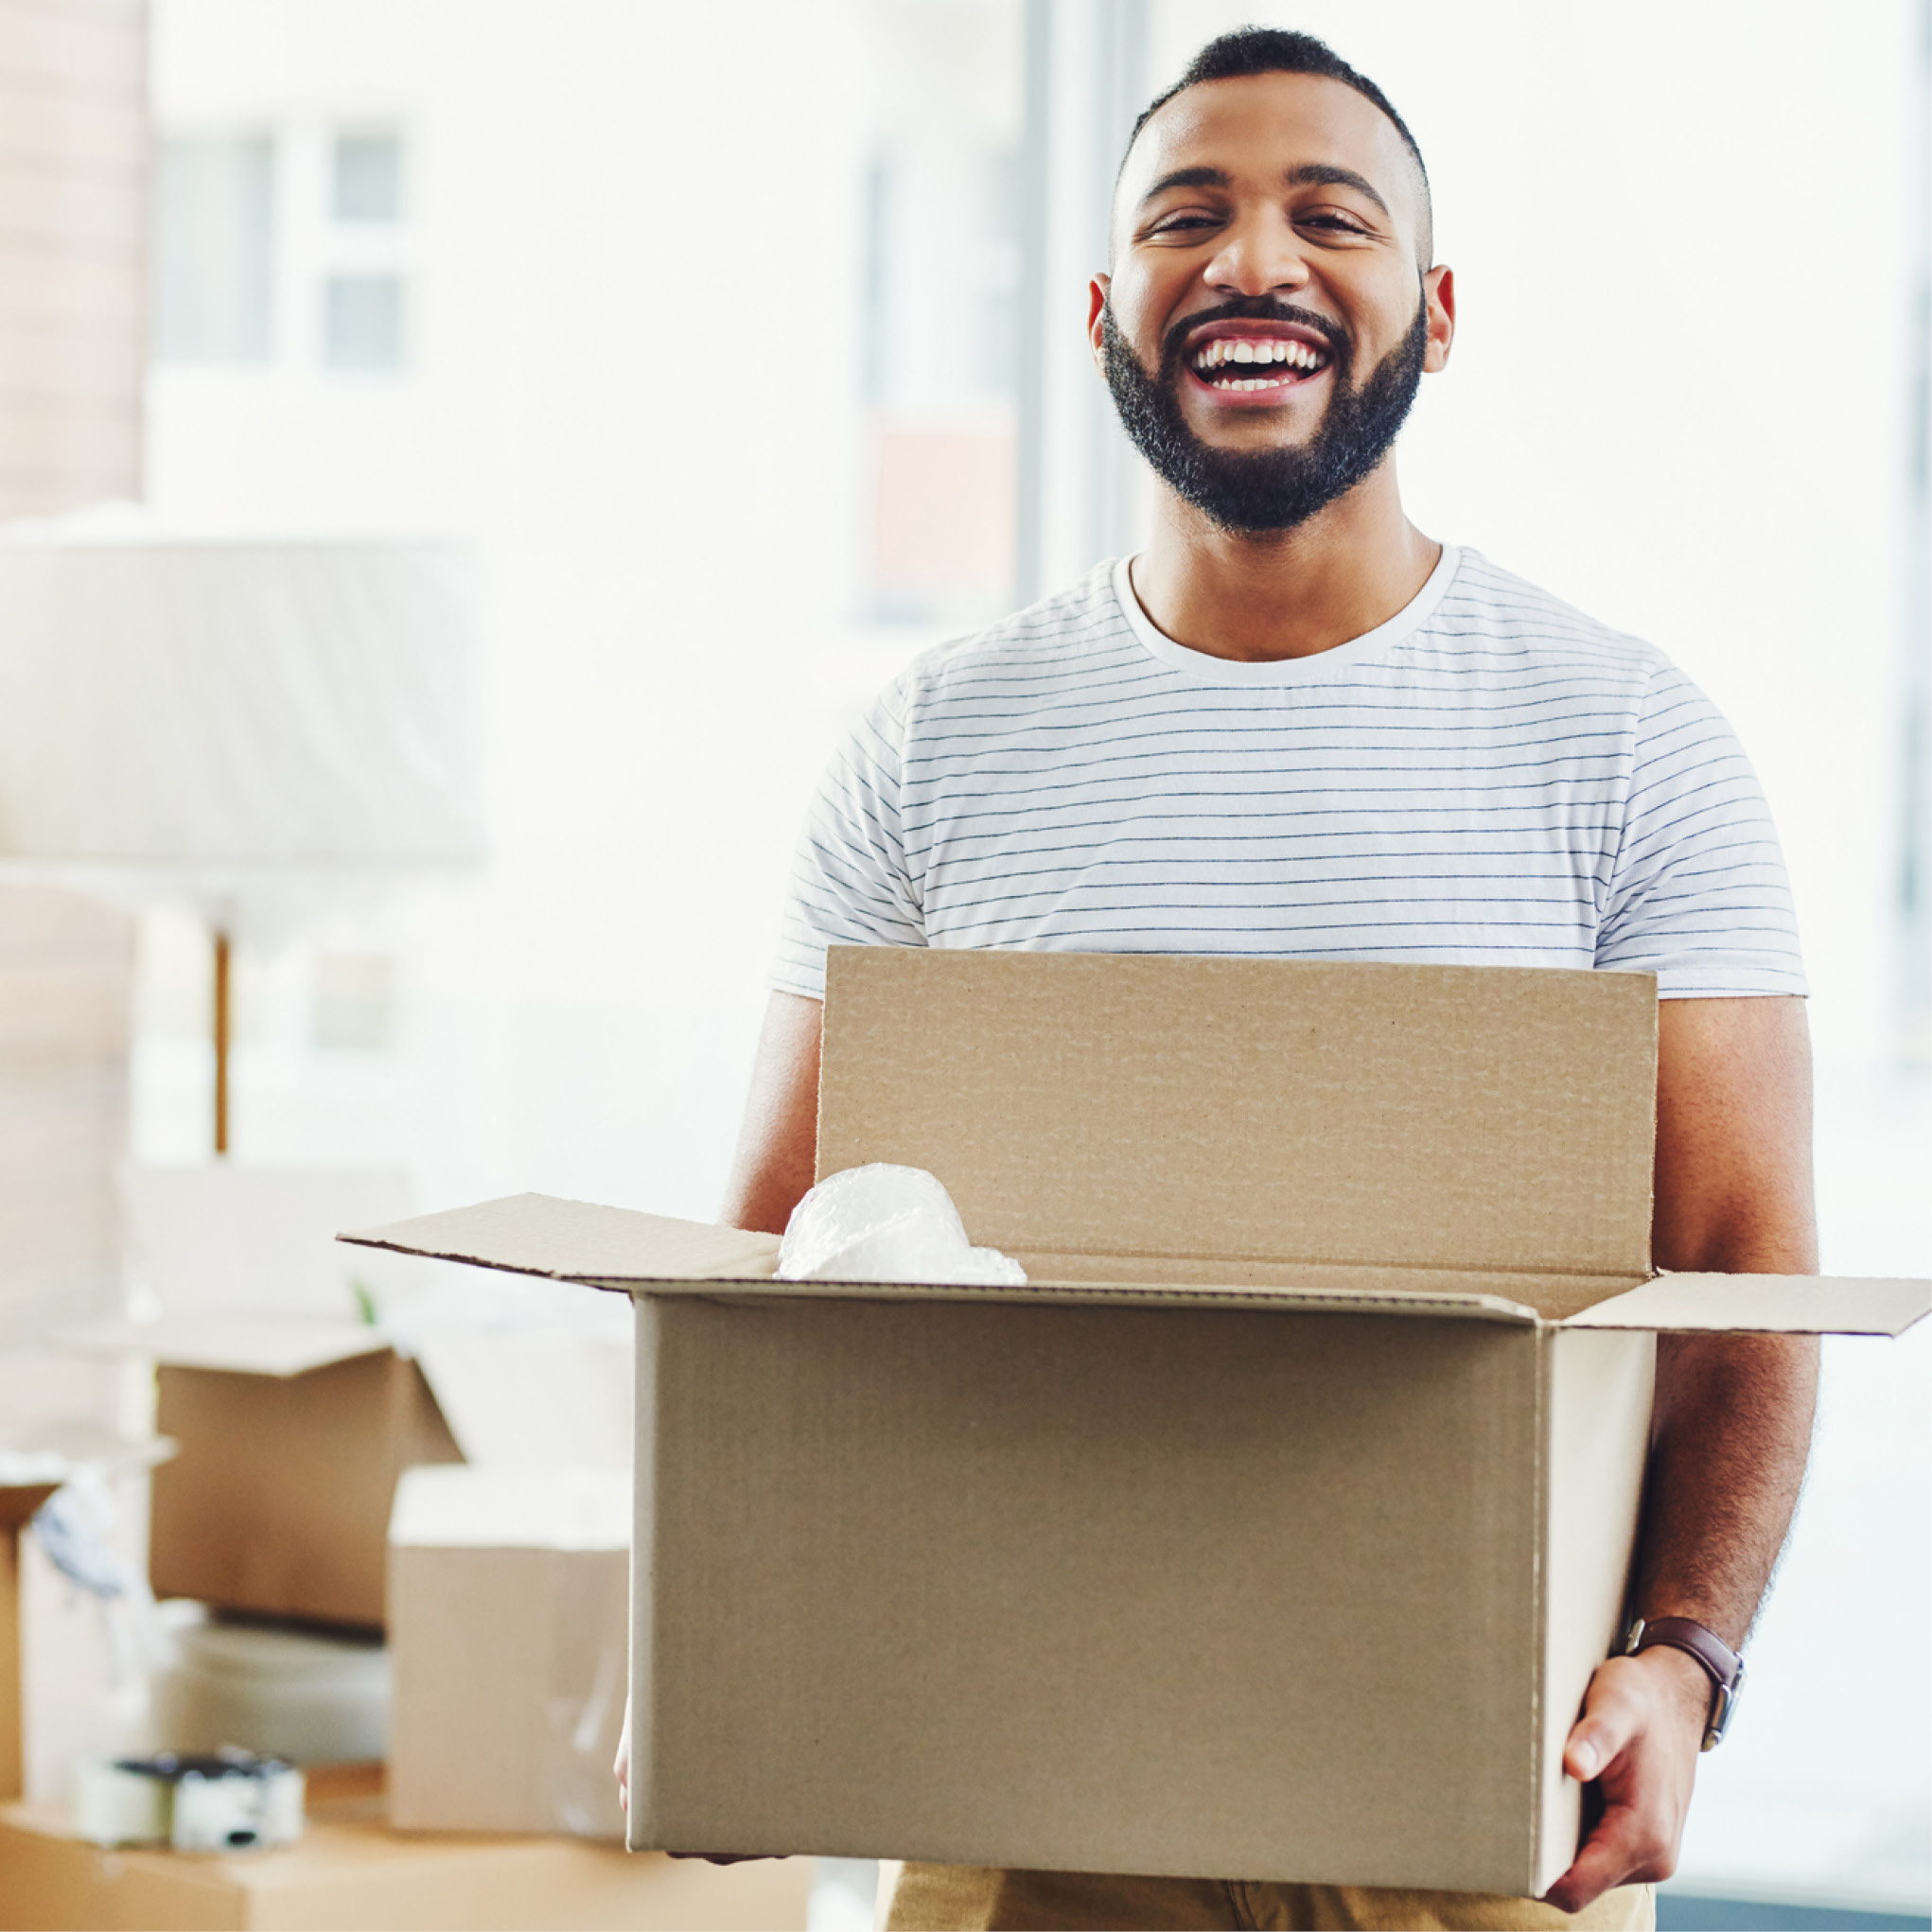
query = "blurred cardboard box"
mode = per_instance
[
  {"x": 18, "y": 1500},
  {"x": 1315, "y": 1440},
  {"x": 279, "y": 1499},
  {"x": 293, "y": 1414},
  {"x": 509, "y": 1610},
  {"x": 351, "y": 1870},
  {"x": 296, "y": 1413}
]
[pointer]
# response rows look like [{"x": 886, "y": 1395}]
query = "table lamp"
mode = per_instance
[{"x": 254, "y": 727}]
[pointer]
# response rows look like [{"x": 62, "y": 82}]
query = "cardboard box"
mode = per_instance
[
  {"x": 293, "y": 1414},
  {"x": 352, "y": 1871},
  {"x": 509, "y": 1608},
  {"x": 19, "y": 1500},
  {"x": 1274, "y": 1530},
  {"x": 279, "y": 1499}
]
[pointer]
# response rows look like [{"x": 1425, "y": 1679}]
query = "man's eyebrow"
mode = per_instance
[
  {"x": 1324, "y": 174},
  {"x": 1189, "y": 178}
]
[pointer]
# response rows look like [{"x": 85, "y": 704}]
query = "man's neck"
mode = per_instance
[{"x": 1260, "y": 599}]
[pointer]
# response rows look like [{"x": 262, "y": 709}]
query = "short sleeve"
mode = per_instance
[
  {"x": 850, "y": 885},
  {"x": 1698, "y": 891}
]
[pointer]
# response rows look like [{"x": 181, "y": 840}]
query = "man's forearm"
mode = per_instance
[
  {"x": 1733, "y": 1414},
  {"x": 1733, "y": 1430}
]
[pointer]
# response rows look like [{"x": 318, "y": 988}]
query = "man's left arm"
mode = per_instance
[{"x": 1732, "y": 1425}]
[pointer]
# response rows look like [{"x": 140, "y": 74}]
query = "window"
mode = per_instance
[
  {"x": 364, "y": 293},
  {"x": 366, "y": 180},
  {"x": 214, "y": 251},
  {"x": 362, "y": 323}
]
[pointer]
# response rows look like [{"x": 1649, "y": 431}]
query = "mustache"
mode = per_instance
[{"x": 1255, "y": 308}]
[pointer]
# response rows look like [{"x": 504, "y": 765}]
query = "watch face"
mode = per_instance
[{"x": 1723, "y": 1702}]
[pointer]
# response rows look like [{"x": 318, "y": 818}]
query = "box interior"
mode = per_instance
[{"x": 1103, "y": 1115}]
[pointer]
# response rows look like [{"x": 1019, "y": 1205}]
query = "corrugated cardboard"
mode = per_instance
[
  {"x": 352, "y": 1871},
  {"x": 1273, "y": 1530},
  {"x": 279, "y": 1498},
  {"x": 508, "y": 1619}
]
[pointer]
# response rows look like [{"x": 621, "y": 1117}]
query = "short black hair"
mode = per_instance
[{"x": 1277, "y": 50}]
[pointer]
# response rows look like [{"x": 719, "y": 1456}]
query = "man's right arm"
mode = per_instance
[{"x": 778, "y": 1144}]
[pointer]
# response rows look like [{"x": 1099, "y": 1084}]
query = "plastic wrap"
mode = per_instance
[{"x": 882, "y": 1223}]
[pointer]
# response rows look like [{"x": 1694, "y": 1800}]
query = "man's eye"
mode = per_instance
[
  {"x": 1176, "y": 222},
  {"x": 1338, "y": 224}
]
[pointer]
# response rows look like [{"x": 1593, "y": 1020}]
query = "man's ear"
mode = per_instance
[
  {"x": 1439, "y": 292},
  {"x": 1097, "y": 302}
]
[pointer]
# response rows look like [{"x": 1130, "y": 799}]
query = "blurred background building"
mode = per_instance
[{"x": 743, "y": 350}]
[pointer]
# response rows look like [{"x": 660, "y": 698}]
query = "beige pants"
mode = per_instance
[{"x": 971, "y": 1898}]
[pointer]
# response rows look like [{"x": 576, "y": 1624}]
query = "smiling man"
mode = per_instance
[{"x": 1296, "y": 726}]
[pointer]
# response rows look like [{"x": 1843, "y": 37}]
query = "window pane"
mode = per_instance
[
  {"x": 940, "y": 222},
  {"x": 214, "y": 251},
  {"x": 368, "y": 178},
  {"x": 362, "y": 322}
]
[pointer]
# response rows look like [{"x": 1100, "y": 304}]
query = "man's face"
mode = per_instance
[{"x": 1267, "y": 322}]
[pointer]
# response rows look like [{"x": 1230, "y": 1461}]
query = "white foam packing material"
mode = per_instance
[{"x": 882, "y": 1223}]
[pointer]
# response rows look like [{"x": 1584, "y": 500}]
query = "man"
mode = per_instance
[{"x": 1296, "y": 726}]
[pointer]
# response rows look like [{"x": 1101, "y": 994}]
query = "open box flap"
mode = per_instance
[
  {"x": 20, "y": 1501},
  {"x": 578, "y": 1240},
  {"x": 1424, "y": 1117},
  {"x": 619, "y": 1249},
  {"x": 250, "y": 1345},
  {"x": 1764, "y": 1305}
]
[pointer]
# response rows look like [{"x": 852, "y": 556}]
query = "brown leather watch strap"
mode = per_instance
[{"x": 1721, "y": 1663}]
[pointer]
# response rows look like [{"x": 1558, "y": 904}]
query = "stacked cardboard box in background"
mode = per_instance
[
  {"x": 506, "y": 1448},
  {"x": 298, "y": 1417},
  {"x": 509, "y": 1622}
]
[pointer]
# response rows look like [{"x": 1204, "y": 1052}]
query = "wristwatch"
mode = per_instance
[{"x": 1721, "y": 1664}]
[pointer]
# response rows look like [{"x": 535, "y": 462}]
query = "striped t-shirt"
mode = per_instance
[{"x": 1488, "y": 778}]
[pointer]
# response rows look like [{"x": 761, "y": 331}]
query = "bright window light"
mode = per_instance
[
  {"x": 214, "y": 251},
  {"x": 362, "y": 323},
  {"x": 366, "y": 181}
]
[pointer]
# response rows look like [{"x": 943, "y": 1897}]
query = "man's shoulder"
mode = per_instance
[
  {"x": 1081, "y": 624},
  {"x": 1488, "y": 611}
]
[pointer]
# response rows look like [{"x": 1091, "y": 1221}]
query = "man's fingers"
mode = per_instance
[
  {"x": 1609, "y": 1721},
  {"x": 1627, "y": 1848}
]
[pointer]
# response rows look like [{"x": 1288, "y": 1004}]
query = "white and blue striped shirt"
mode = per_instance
[{"x": 1488, "y": 778}]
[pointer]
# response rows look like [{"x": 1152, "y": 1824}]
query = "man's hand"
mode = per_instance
[{"x": 1638, "y": 1741}]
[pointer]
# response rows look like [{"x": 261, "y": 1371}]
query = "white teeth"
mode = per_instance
[{"x": 1226, "y": 349}]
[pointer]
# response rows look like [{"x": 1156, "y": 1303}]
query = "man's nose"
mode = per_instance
[{"x": 1258, "y": 257}]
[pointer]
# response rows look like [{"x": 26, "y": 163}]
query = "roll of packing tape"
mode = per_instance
[{"x": 221, "y": 1801}]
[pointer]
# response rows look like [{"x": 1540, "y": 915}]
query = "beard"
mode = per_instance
[{"x": 1254, "y": 492}]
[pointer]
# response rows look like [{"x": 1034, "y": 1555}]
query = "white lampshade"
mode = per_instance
[{"x": 256, "y": 727}]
